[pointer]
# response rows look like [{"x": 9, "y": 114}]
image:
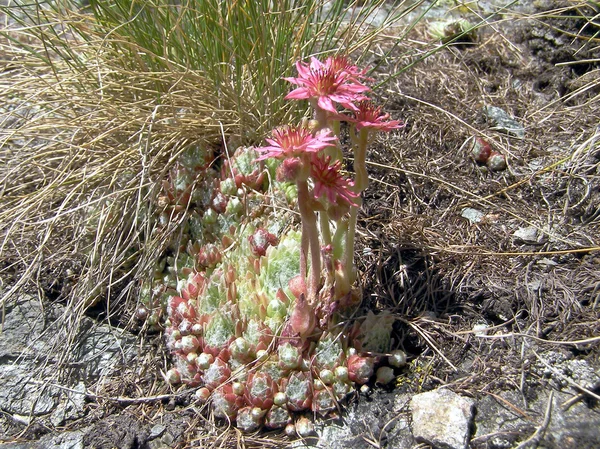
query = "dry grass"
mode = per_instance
[{"x": 443, "y": 274}]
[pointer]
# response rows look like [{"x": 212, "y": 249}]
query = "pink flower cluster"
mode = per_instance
[
  {"x": 325, "y": 84},
  {"x": 312, "y": 158},
  {"x": 299, "y": 148}
]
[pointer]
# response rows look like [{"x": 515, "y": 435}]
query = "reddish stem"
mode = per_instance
[{"x": 311, "y": 231}]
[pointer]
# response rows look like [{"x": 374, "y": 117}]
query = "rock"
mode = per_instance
[
  {"x": 563, "y": 371},
  {"x": 473, "y": 215},
  {"x": 481, "y": 150},
  {"x": 32, "y": 355},
  {"x": 64, "y": 440},
  {"x": 71, "y": 408},
  {"x": 526, "y": 235},
  {"x": 496, "y": 162},
  {"x": 157, "y": 431},
  {"x": 374, "y": 17},
  {"x": 503, "y": 122},
  {"x": 382, "y": 418},
  {"x": 481, "y": 329},
  {"x": 508, "y": 420},
  {"x": 442, "y": 419}
]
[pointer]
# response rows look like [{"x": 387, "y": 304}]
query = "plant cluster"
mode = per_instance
[{"x": 254, "y": 308}]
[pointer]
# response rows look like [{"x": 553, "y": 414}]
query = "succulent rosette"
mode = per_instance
[{"x": 253, "y": 299}]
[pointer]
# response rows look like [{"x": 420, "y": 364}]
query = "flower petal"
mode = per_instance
[{"x": 301, "y": 93}]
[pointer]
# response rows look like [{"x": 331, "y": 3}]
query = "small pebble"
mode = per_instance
[{"x": 496, "y": 161}]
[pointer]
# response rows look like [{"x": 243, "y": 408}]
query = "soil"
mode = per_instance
[{"x": 503, "y": 306}]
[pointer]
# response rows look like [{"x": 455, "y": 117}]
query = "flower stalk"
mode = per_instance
[
  {"x": 335, "y": 92},
  {"x": 309, "y": 228}
]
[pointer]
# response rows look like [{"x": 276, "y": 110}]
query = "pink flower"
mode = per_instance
[
  {"x": 370, "y": 116},
  {"x": 330, "y": 183},
  {"x": 342, "y": 64},
  {"x": 332, "y": 82},
  {"x": 290, "y": 141}
]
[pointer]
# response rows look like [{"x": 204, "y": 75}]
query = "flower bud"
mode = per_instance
[
  {"x": 385, "y": 375},
  {"x": 262, "y": 355},
  {"x": 290, "y": 430},
  {"x": 173, "y": 376},
  {"x": 341, "y": 373},
  {"x": 327, "y": 376},
  {"x": 496, "y": 161},
  {"x": 397, "y": 358},
  {"x": 204, "y": 360},
  {"x": 279, "y": 399},
  {"x": 481, "y": 150},
  {"x": 141, "y": 313},
  {"x": 238, "y": 388},
  {"x": 203, "y": 394},
  {"x": 289, "y": 170},
  {"x": 176, "y": 334},
  {"x": 305, "y": 427},
  {"x": 257, "y": 413}
]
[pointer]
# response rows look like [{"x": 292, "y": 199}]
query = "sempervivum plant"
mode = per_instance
[{"x": 255, "y": 305}]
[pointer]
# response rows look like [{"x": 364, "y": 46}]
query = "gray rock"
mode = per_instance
[
  {"x": 72, "y": 407},
  {"x": 382, "y": 419},
  {"x": 64, "y": 440},
  {"x": 565, "y": 372},
  {"x": 442, "y": 419},
  {"x": 157, "y": 431},
  {"x": 526, "y": 235},
  {"x": 473, "y": 215},
  {"x": 503, "y": 122},
  {"x": 375, "y": 17},
  {"x": 509, "y": 419},
  {"x": 34, "y": 362}
]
